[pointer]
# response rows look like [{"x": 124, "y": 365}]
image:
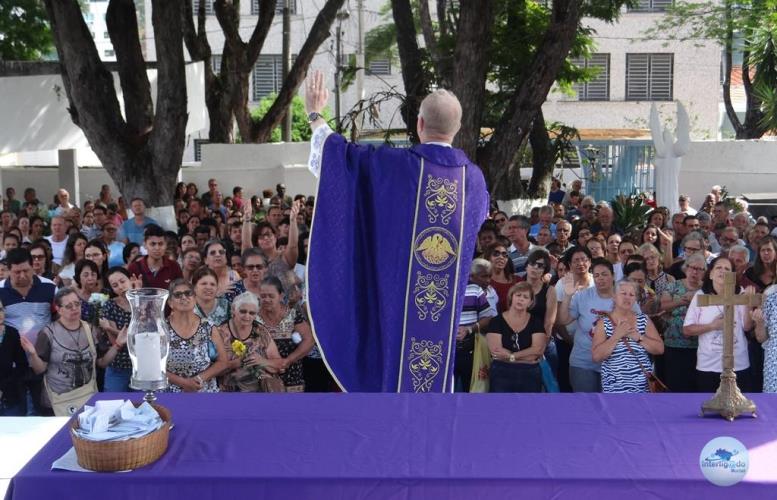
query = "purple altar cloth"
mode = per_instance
[{"x": 329, "y": 446}]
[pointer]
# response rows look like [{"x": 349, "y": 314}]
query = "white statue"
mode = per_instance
[{"x": 668, "y": 156}]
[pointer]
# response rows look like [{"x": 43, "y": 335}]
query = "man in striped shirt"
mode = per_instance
[
  {"x": 27, "y": 301},
  {"x": 476, "y": 312}
]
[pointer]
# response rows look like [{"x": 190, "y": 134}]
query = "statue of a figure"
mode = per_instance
[{"x": 668, "y": 156}]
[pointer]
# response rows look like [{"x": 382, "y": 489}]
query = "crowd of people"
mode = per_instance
[
  {"x": 558, "y": 299},
  {"x": 563, "y": 299},
  {"x": 234, "y": 271}
]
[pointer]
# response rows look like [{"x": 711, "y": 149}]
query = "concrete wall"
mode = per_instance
[
  {"x": 253, "y": 166},
  {"x": 741, "y": 166}
]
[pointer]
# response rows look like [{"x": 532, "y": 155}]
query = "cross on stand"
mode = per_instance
[{"x": 728, "y": 402}]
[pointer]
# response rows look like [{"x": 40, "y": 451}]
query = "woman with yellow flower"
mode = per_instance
[{"x": 254, "y": 362}]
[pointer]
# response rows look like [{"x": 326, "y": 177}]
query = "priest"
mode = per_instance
[{"x": 392, "y": 239}]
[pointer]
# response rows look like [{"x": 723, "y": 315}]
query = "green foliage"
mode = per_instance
[
  {"x": 630, "y": 211},
  {"x": 300, "y": 129},
  {"x": 25, "y": 34}
]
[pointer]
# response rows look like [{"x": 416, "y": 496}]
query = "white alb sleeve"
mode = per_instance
[{"x": 317, "y": 141}]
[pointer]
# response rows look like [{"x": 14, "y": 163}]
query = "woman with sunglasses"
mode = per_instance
[
  {"x": 503, "y": 276},
  {"x": 679, "y": 349},
  {"x": 257, "y": 369},
  {"x": 65, "y": 352},
  {"x": 189, "y": 365}
]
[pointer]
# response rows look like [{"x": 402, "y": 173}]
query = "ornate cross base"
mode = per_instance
[{"x": 729, "y": 402}]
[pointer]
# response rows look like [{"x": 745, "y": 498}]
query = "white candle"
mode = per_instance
[{"x": 148, "y": 354}]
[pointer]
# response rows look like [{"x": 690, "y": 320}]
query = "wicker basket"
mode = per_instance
[{"x": 112, "y": 456}]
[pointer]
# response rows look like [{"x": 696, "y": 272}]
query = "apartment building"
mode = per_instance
[{"x": 635, "y": 73}]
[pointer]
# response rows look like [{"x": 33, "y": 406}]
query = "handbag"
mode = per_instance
[
  {"x": 654, "y": 383},
  {"x": 481, "y": 364},
  {"x": 271, "y": 384},
  {"x": 68, "y": 403}
]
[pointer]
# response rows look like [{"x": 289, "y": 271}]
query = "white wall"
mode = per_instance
[
  {"x": 741, "y": 166},
  {"x": 34, "y": 116}
]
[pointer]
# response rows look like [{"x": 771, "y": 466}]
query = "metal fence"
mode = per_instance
[{"x": 611, "y": 168}]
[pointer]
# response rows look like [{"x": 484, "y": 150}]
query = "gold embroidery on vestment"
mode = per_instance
[
  {"x": 440, "y": 198},
  {"x": 431, "y": 295},
  {"x": 424, "y": 361}
]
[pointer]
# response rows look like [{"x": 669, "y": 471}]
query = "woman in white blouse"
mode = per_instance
[{"x": 706, "y": 323}]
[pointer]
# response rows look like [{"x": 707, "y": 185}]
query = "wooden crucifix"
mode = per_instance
[{"x": 729, "y": 402}]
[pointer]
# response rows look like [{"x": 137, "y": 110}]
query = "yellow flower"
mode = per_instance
[{"x": 239, "y": 348}]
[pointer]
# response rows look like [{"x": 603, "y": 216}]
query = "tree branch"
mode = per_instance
[
  {"x": 728, "y": 61},
  {"x": 521, "y": 110},
  {"x": 229, "y": 20},
  {"x": 168, "y": 137},
  {"x": 122, "y": 23},
  {"x": 413, "y": 75},
  {"x": 318, "y": 33},
  {"x": 470, "y": 69},
  {"x": 262, "y": 28},
  {"x": 94, "y": 105},
  {"x": 431, "y": 43}
]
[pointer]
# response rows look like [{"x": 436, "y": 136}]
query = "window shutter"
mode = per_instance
[
  {"x": 661, "y": 69},
  {"x": 637, "y": 73},
  {"x": 379, "y": 67},
  {"x": 597, "y": 89}
]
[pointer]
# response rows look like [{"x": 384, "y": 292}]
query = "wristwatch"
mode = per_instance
[
  {"x": 313, "y": 116},
  {"x": 512, "y": 358}
]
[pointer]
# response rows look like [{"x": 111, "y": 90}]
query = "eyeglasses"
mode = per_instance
[
  {"x": 697, "y": 269},
  {"x": 499, "y": 221},
  {"x": 38, "y": 257},
  {"x": 184, "y": 294},
  {"x": 246, "y": 311},
  {"x": 538, "y": 264},
  {"x": 72, "y": 306},
  {"x": 691, "y": 249},
  {"x": 253, "y": 267},
  {"x": 217, "y": 252}
]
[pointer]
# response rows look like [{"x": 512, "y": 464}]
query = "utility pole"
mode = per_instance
[
  {"x": 341, "y": 16},
  {"x": 286, "y": 131},
  {"x": 359, "y": 63}
]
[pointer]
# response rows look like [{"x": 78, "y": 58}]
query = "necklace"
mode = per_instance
[{"x": 236, "y": 329}]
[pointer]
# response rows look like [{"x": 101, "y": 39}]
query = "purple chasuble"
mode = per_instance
[{"x": 392, "y": 240}]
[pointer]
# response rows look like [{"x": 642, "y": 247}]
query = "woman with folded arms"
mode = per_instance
[{"x": 516, "y": 339}]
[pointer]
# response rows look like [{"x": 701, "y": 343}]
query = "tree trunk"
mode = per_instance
[
  {"x": 543, "y": 158},
  {"x": 470, "y": 69},
  {"x": 262, "y": 130},
  {"x": 142, "y": 154},
  {"x": 515, "y": 124},
  {"x": 413, "y": 76}
]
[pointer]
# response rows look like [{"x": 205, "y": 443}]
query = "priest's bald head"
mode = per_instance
[{"x": 439, "y": 118}]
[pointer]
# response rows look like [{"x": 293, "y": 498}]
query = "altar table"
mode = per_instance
[{"x": 469, "y": 446}]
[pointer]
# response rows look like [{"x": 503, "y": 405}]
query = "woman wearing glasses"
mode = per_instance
[
  {"x": 41, "y": 261},
  {"x": 258, "y": 368},
  {"x": 679, "y": 349},
  {"x": 189, "y": 365},
  {"x": 503, "y": 276},
  {"x": 65, "y": 352}
]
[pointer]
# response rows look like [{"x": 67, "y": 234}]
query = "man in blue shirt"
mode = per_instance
[
  {"x": 27, "y": 301},
  {"x": 132, "y": 229}
]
